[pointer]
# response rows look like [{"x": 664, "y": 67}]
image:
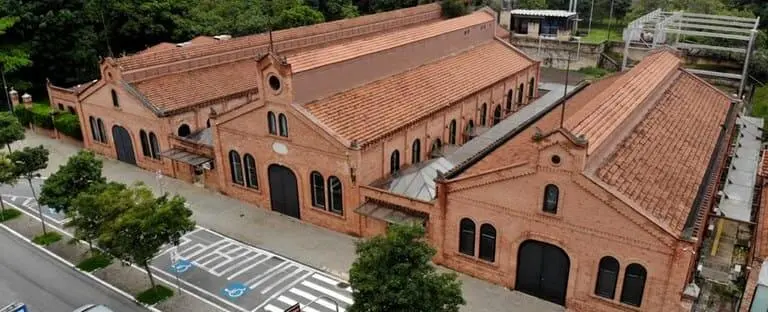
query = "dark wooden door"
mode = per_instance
[
  {"x": 542, "y": 271},
  {"x": 283, "y": 191},
  {"x": 123, "y": 145}
]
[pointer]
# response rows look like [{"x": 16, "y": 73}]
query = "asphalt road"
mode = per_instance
[{"x": 46, "y": 285}]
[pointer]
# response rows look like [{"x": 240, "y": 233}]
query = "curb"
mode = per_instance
[{"x": 69, "y": 264}]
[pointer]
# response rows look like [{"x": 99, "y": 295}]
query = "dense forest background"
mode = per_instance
[{"x": 62, "y": 40}]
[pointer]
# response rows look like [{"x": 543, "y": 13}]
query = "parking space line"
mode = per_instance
[
  {"x": 230, "y": 262},
  {"x": 194, "y": 254},
  {"x": 205, "y": 258},
  {"x": 266, "y": 257},
  {"x": 323, "y": 302},
  {"x": 205, "y": 265},
  {"x": 327, "y": 291},
  {"x": 292, "y": 274},
  {"x": 266, "y": 275},
  {"x": 236, "y": 252},
  {"x": 282, "y": 290},
  {"x": 290, "y": 301}
]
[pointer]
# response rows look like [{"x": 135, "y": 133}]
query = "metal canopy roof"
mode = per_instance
[
  {"x": 547, "y": 13},
  {"x": 659, "y": 28},
  {"x": 738, "y": 192},
  {"x": 385, "y": 213},
  {"x": 185, "y": 157}
]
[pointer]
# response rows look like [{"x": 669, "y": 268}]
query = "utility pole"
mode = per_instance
[
  {"x": 610, "y": 22},
  {"x": 591, "y": 11}
]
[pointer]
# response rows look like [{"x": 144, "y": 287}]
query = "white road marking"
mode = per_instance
[
  {"x": 194, "y": 254},
  {"x": 271, "y": 308},
  {"x": 249, "y": 267},
  {"x": 329, "y": 281},
  {"x": 13, "y": 198},
  {"x": 267, "y": 275},
  {"x": 323, "y": 302},
  {"x": 212, "y": 260},
  {"x": 26, "y": 202},
  {"x": 327, "y": 291},
  {"x": 229, "y": 261},
  {"x": 204, "y": 258},
  {"x": 237, "y": 265},
  {"x": 282, "y": 290},
  {"x": 292, "y": 274}
]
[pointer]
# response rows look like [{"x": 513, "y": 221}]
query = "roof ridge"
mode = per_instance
[{"x": 190, "y": 69}]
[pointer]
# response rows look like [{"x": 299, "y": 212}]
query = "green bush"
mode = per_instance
[
  {"x": 9, "y": 214},
  {"x": 69, "y": 124},
  {"x": 593, "y": 72},
  {"x": 97, "y": 261},
  {"x": 154, "y": 295},
  {"x": 23, "y": 114},
  {"x": 453, "y": 8},
  {"x": 41, "y": 116},
  {"x": 47, "y": 238}
]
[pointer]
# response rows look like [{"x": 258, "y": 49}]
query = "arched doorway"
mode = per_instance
[
  {"x": 123, "y": 145},
  {"x": 283, "y": 191},
  {"x": 542, "y": 271}
]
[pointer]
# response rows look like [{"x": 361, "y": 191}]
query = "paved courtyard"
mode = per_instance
[{"x": 303, "y": 243}]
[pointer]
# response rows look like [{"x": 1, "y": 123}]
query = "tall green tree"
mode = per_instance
[
  {"x": 79, "y": 173},
  {"x": 27, "y": 164},
  {"x": 11, "y": 129},
  {"x": 8, "y": 176},
  {"x": 148, "y": 223},
  {"x": 12, "y": 56},
  {"x": 393, "y": 273},
  {"x": 96, "y": 207},
  {"x": 532, "y": 4}
]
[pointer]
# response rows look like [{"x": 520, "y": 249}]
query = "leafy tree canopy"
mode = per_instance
[
  {"x": 29, "y": 160},
  {"x": 11, "y": 129},
  {"x": 78, "y": 174},
  {"x": 95, "y": 207},
  {"x": 393, "y": 273}
]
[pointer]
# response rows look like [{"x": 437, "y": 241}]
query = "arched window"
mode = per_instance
[
  {"x": 335, "y": 199},
  {"x": 468, "y": 131},
  {"x": 318, "y": 189},
  {"x": 467, "y": 237},
  {"x": 184, "y": 130},
  {"x": 154, "y": 146},
  {"x": 250, "y": 172},
  {"x": 531, "y": 87},
  {"x": 520, "y": 94},
  {"x": 283, "y": 125},
  {"x": 236, "y": 167},
  {"x": 416, "y": 151},
  {"x": 94, "y": 129},
  {"x": 208, "y": 123},
  {"x": 102, "y": 132},
  {"x": 497, "y": 115},
  {"x": 115, "y": 102},
  {"x": 145, "y": 150},
  {"x": 607, "y": 275},
  {"x": 551, "y": 197},
  {"x": 488, "y": 242},
  {"x": 272, "y": 123},
  {"x": 437, "y": 144},
  {"x": 452, "y": 132},
  {"x": 634, "y": 285},
  {"x": 510, "y": 95},
  {"x": 483, "y": 114},
  {"x": 394, "y": 162}
]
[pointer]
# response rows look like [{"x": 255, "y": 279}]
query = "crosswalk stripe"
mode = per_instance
[
  {"x": 323, "y": 302},
  {"x": 290, "y": 301},
  {"x": 268, "y": 274},
  {"x": 294, "y": 273},
  {"x": 329, "y": 281},
  {"x": 271, "y": 308},
  {"x": 249, "y": 267},
  {"x": 327, "y": 291}
]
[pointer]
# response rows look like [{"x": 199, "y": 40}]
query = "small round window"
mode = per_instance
[
  {"x": 274, "y": 83},
  {"x": 555, "y": 159}
]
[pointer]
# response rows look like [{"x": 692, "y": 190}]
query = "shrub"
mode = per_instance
[
  {"x": 453, "y": 8},
  {"x": 593, "y": 72},
  {"x": 97, "y": 261},
  {"x": 47, "y": 238},
  {"x": 23, "y": 114},
  {"x": 9, "y": 214},
  {"x": 154, "y": 295},
  {"x": 69, "y": 124},
  {"x": 41, "y": 116}
]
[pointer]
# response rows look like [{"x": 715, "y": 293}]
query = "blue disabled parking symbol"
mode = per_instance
[
  {"x": 234, "y": 290},
  {"x": 181, "y": 266}
]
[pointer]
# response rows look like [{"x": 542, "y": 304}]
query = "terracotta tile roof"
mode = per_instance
[
  {"x": 763, "y": 166},
  {"x": 142, "y": 60},
  {"x": 158, "y": 47},
  {"x": 338, "y": 53},
  {"x": 605, "y": 112},
  {"x": 761, "y": 234},
  {"x": 180, "y": 90},
  {"x": 369, "y": 112},
  {"x": 661, "y": 163},
  {"x": 501, "y": 32}
]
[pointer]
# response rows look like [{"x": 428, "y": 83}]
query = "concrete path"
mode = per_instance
[{"x": 286, "y": 237}]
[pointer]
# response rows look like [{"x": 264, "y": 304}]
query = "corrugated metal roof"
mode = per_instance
[
  {"x": 549, "y": 13},
  {"x": 740, "y": 185}
]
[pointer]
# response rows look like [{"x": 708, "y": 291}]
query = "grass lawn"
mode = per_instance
[
  {"x": 47, "y": 239},
  {"x": 9, "y": 214},
  {"x": 97, "y": 261},
  {"x": 760, "y": 103},
  {"x": 154, "y": 295},
  {"x": 600, "y": 33}
]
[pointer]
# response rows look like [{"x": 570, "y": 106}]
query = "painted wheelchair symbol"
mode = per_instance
[
  {"x": 234, "y": 290},
  {"x": 181, "y": 266}
]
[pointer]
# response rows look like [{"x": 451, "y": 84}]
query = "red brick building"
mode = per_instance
[{"x": 404, "y": 116}]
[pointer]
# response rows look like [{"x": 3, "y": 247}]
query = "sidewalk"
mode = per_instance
[{"x": 312, "y": 245}]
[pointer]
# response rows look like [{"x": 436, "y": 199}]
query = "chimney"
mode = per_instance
[
  {"x": 14, "y": 97},
  {"x": 26, "y": 99}
]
